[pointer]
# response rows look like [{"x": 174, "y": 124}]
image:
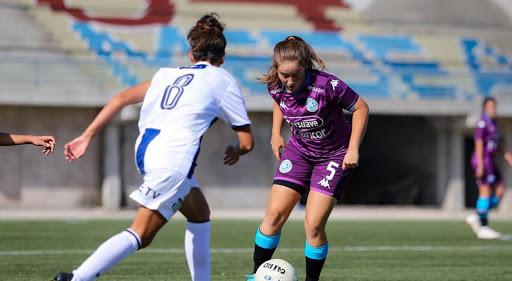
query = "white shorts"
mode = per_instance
[{"x": 163, "y": 190}]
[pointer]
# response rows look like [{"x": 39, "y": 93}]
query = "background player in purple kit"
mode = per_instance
[
  {"x": 488, "y": 177},
  {"x": 320, "y": 153}
]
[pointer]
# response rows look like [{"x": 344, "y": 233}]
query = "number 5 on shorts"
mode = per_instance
[{"x": 331, "y": 167}]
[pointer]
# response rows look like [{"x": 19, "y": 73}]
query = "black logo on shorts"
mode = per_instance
[{"x": 148, "y": 192}]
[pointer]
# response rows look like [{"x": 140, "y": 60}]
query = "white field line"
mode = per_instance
[{"x": 250, "y": 250}]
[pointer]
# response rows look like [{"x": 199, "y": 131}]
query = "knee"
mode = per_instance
[
  {"x": 484, "y": 191},
  {"x": 313, "y": 230},
  {"x": 273, "y": 220}
]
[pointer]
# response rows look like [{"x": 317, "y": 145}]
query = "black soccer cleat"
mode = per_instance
[{"x": 63, "y": 276}]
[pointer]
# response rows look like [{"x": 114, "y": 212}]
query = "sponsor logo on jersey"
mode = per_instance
[
  {"x": 282, "y": 105},
  {"x": 285, "y": 166},
  {"x": 275, "y": 91},
  {"x": 318, "y": 90},
  {"x": 481, "y": 124},
  {"x": 334, "y": 84},
  {"x": 177, "y": 205},
  {"x": 491, "y": 178},
  {"x": 311, "y": 105},
  {"x": 325, "y": 183},
  {"x": 306, "y": 123},
  {"x": 315, "y": 135}
]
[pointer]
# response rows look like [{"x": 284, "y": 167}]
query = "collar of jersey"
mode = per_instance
[
  {"x": 203, "y": 62},
  {"x": 487, "y": 117}
]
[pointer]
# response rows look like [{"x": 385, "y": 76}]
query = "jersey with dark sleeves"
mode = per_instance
[{"x": 488, "y": 132}]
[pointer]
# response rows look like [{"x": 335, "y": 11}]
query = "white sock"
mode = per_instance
[
  {"x": 197, "y": 249},
  {"x": 107, "y": 255}
]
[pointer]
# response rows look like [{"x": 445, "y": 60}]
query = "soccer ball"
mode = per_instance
[{"x": 276, "y": 270}]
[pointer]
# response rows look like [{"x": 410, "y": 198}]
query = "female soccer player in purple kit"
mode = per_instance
[
  {"x": 321, "y": 152},
  {"x": 488, "y": 177}
]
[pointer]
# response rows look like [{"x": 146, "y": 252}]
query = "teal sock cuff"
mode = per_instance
[
  {"x": 482, "y": 205},
  {"x": 316, "y": 253},
  {"x": 495, "y": 201},
  {"x": 265, "y": 241}
]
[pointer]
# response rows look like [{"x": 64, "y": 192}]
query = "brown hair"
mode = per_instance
[
  {"x": 206, "y": 39},
  {"x": 293, "y": 48}
]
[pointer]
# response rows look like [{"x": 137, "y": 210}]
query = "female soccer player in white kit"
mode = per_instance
[{"x": 179, "y": 105}]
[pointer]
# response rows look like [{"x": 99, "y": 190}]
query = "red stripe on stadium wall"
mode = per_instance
[
  {"x": 157, "y": 11},
  {"x": 312, "y": 10},
  {"x": 162, "y": 11}
]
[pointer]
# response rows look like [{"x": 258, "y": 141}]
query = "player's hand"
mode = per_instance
[
  {"x": 351, "y": 159},
  {"x": 479, "y": 171},
  {"x": 76, "y": 148},
  {"x": 508, "y": 157},
  {"x": 231, "y": 155},
  {"x": 47, "y": 142},
  {"x": 277, "y": 143}
]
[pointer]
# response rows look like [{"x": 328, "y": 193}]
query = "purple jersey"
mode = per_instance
[
  {"x": 487, "y": 131},
  {"x": 315, "y": 114}
]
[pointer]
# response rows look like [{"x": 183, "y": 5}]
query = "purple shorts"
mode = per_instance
[
  {"x": 491, "y": 176},
  {"x": 300, "y": 172}
]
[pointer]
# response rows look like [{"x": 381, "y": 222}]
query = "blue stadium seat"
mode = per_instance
[
  {"x": 170, "y": 37},
  {"x": 317, "y": 39},
  {"x": 382, "y": 45},
  {"x": 486, "y": 79},
  {"x": 239, "y": 37}
]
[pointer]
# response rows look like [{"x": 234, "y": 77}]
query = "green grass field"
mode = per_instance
[{"x": 359, "y": 250}]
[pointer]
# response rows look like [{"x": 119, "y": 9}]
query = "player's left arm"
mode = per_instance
[
  {"x": 244, "y": 145},
  {"x": 359, "y": 122},
  {"x": 506, "y": 153},
  {"x": 502, "y": 148},
  {"x": 234, "y": 112},
  {"x": 508, "y": 158}
]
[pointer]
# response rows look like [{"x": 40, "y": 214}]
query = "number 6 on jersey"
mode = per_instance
[{"x": 173, "y": 92}]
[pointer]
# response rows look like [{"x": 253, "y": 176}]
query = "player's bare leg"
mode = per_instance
[
  {"x": 281, "y": 203},
  {"x": 143, "y": 229},
  {"x": 146, "y": 225},
  {"x": 483, "y": 205},
  {"x": 318, "y": 208}
]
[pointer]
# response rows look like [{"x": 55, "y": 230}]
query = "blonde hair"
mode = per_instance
[{"x": 293, "y": 48}]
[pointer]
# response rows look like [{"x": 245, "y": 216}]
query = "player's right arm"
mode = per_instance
[
  {"x": 479, "y": 149},
  {"x": 48, "y": 142},
  {"x": 77, "y": 147},
  {"x": 277, "y": 140}
]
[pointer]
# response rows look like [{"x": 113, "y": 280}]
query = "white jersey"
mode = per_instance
[{"x": 179, "y": 106}]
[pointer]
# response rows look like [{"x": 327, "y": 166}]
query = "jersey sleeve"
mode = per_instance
[
  {"x": 345, "y": 96},
  {"x": 232, "y": 107},
  {"x": 155, "y": 82},
  {"x": 480, "y": 130}
]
